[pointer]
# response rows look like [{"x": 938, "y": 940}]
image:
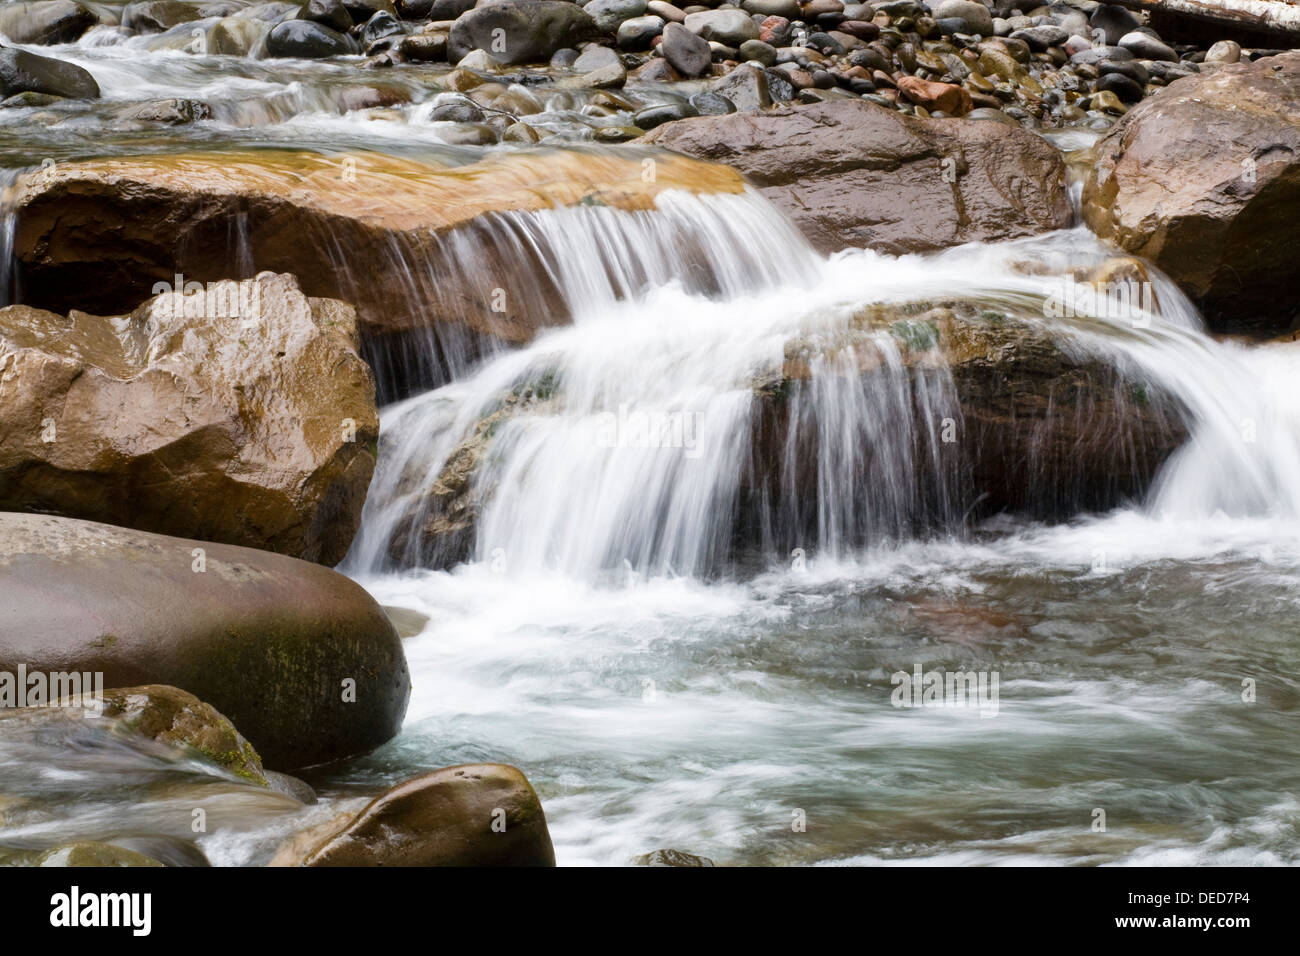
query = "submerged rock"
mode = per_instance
[
  {"x": 469, "y": 815},
  {"x": 298, "y": 657},
  {"x": 98, "y": 855},
  {"x": 172, "y": 716},
  {"x": 670, "y": 858},
  {"x": 853, "y": 174},
  {"x": 243, "y": 408},
  {"x": 1215, "y": 212}
]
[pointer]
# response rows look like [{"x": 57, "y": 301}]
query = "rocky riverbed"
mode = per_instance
[{"x": 415, "y": 413}]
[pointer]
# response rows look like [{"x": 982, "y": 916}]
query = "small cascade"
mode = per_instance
[{"x": 690, "y": 416}]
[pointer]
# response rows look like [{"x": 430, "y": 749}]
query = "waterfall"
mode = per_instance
[{"x": 662, "y": 432}]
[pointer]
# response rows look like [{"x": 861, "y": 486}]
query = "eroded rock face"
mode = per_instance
[
  {"x": 853, "y": 174},
  {"x": 298, "y": 657},
  {"x": 1203, "y": 179},
  {"x": 469, "y": 815},
  {"x": 391, "y": 236},
  {"x": 240, "y": 413}
]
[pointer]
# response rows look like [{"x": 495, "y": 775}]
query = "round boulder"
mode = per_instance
[{"x": 298, "y": 657}]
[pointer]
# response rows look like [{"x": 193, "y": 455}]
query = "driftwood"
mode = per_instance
[{"x": 1275, "y": 21}]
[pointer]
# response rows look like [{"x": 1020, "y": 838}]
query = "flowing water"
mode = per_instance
[{"x": 687, "y": 644}]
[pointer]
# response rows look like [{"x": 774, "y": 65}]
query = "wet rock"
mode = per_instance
[
  {"x": 290, "y": 786},
  {"x": 470, "y": 815},
  {"x": 363, "y": 10},
  {"x": 520, "y": 133},
  {"x": 1107, "y": 102},
  {"x": 638, "y": 32},
  {"x": 711, "y": 104},
  {"x": 670, "y": 858},
  {"x": 1146, "y": 47},
  {"x": 417, "y": 9},
  {"x": 30, "y": 101},
  {"x": 93, "y": 854},
  {"x": 329, "y": 13},
  {"x": 1113, "y": 21},
  {"x": 1040, "y": 38},
  {"x": 1125, "y": 87},
  {"x": 1224, "y": 51},
  {"x": 1216, "y": 212},
  {"x": 244, "y": 408},
  {"x": 407, "y": 622},
  {"x": 1042, "y": 429},
  {"x": 172, "y": 112},
  {"x": 521, "y": 31},
  {"x": 728, "y": 27},
  {"x": 746, "y": 87},
  {"x": 994, "y": 115},
  {"x": 852, "y": 174},
  {"x": 24, "y": 72},
  {"x": 650, "y": 117},
  {"x": 424, "y": 48},
  {"x": 976, "y": 16},
  {"x": 449, "y": 9},
  {"x": 949, "y": 98},
  {"x": 47, "y": 21},
  {"x": 172, "y": 716},
  {"x": 686, "y": 52},
  {"x": 157, "y": 16},
  {"x": 298, "y": 657},
  {"x": 77, "y": 224},
  {"x": 758, "y": 51},
  {"x": 457, "y": 111},
  {"x": 608, "y": 14},
  {"x": 306, "y": 39},
  {"x": 379, "y": 27},
  {"x": 668, "y": 12},
  {"x": 234, "y": 36}
]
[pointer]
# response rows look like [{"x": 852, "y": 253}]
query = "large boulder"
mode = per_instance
[
  {"x": 1203, "y": 179},
  {"x": 45, "y": 21},
  {"x": 23, "y": 72},
  {"x": 391, "y": 236},
  {"x": 520, "y": 31},
  {"x": 298, "y": 657},
  {"x": 470, "y": 815},
  {"x": 853, "y": 174},
  {"x": 240, "y": 413}
]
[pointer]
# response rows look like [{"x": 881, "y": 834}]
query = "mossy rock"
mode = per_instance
[{"x": 171, "y": 715}]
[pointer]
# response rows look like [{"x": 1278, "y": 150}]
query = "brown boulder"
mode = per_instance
[
  {"x": 298, "y": 657},
  {"x": 946, "y": 97},
  {"x": 854, "y": 174},
  {"x": 470, "y": 815},
  {"x": 241, "y": 413},
  {"x": 391, "y": 236},
  {"x": 1203, "y": 179}
]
